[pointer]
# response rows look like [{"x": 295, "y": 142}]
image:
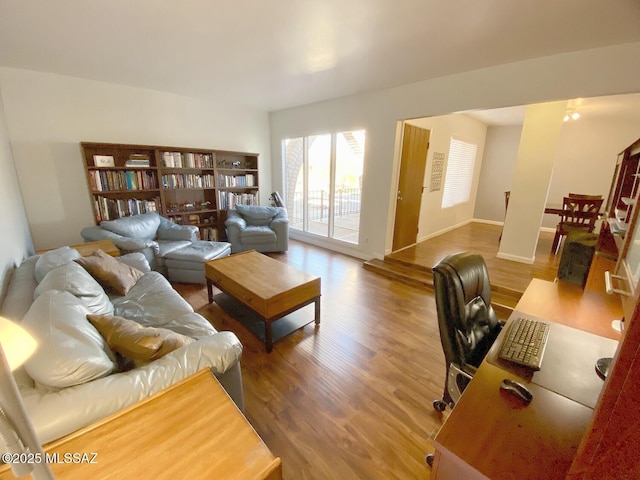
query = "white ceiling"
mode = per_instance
[
  {"x": 274, "y": 54},
  {"x": 619, "y": 107}
]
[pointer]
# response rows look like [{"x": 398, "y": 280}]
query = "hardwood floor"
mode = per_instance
[
  {"x": 483, "y": 238},
  {"x": 351, "y": 398}
]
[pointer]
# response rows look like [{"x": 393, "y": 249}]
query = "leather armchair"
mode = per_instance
[
  {"x": 148, "y": 233},
  {"x": 467, "y": 322},
  {"x": 265, "y": 229}
]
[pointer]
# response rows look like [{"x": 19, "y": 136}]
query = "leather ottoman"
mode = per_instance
[{"x": 186, "y": 264}]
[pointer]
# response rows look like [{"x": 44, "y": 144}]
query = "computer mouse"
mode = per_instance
[{"x": 517, "y": 389}]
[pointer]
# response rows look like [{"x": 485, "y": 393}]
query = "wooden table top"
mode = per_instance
[
  {"x": 190, "y": 430},
  {"x": 261, "y": 274},
  {"x": 85, "y": 249},
  {"x": 568, "y": 304},
  {"x": 498, "y": 436},
  {"x": 268, "y": 286}
]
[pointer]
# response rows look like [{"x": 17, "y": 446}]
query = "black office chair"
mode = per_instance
[{"x": 468, "y": 325}]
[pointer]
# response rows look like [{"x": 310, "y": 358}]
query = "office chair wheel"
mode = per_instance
[
  {"x": 439, "y": 405},
  {"x": 429, "y": 459}
]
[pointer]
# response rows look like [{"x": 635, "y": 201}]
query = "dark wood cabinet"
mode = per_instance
[{"x": 620, "y": 209}]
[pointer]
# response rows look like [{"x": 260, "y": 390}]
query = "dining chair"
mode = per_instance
[
  {"x": 586, "y": 197},
  {"x": 507, "y": 195},
  {"x": 577, "y": 214}
]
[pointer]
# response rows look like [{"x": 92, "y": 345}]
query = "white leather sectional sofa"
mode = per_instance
[{"x": 82, "y": 394}]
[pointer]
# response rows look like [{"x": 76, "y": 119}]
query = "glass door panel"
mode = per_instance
[
  {"x": 319, "y": 184},
  {"x": 348, "y": 185}
]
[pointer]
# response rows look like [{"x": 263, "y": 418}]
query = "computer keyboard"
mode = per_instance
[{"x": 525, "y": 342}]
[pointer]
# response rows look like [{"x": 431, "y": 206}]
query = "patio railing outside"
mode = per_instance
[{"x": 347, "y": 202}]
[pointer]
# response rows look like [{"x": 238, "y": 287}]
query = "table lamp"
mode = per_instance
[{"x": 16, "y": 345}]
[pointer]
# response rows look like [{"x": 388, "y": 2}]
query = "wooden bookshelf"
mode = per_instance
[{"x": 190, "y": 186}]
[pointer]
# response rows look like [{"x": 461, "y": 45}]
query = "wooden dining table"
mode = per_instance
[{"x": 553, "y": 208}]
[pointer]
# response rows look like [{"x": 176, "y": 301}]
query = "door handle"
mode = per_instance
[{"x": 399, "y": 196}]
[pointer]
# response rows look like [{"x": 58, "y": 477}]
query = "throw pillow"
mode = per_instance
[
  {"x": 109, "y": 272},
  {"x": 137, "y": 342},
  {"x": 70, "y": 350},
  {"x": 52, "y": 259}
]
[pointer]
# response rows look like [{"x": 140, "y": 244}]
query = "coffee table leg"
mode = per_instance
[
  {"x": 267, "y": 336},
  {"x": 209, "y": 291},
  {"x": 317, "y": 315}
]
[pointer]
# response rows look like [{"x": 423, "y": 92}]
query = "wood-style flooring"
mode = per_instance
[
  {"x": 351, "y": 398},
  {"x": 483, "y": 239}
]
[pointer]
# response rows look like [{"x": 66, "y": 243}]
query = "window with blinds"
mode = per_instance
[{"x": 459, "y": 175}]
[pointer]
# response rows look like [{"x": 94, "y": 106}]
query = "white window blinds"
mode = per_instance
[{"x": 457, "y": 182}]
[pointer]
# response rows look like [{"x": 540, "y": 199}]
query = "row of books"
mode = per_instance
[
  {"x": 103, "y": 180},
  {"x": 209, "y": 234},
  {"x": 187, "y": 160},
  {"x": 188, "y": 180},
  {"x": 228, "y": 200},
  {"x": 137, "y": 163},
  {"x": 248, "y": 180},
  {"x": 110, "y": 209}
]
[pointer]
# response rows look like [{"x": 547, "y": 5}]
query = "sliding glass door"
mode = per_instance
[{"x": 324, "y": 183}]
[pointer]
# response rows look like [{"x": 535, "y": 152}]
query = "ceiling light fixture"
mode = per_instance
[{"x": 571, "y": 115}]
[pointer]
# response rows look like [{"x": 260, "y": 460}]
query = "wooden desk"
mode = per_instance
[
  {"x": 190, "y": 430},
  {"x": 565, "y": 303},
  {"x": 490, "y": 434}
]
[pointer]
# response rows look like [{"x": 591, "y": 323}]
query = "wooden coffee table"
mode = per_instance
[{"x": 269, "y": 288}]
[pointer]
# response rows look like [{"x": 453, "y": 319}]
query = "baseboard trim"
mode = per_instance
[
  {"x": 345, "y": 248},
  {"x": 516, "y": 258},
  {"x": 445, "y": 230}
]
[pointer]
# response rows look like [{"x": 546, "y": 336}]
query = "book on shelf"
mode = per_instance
[
  {"x": 110, "y": 209},
  {"x": 122, "y": 180},
  {"x": 228, "y": 200},
  {"x": 209, "y": 234},
  {"x": 137, "y": 163},
  {"x": 188, "y": 180},
  {"x": 247, "y": 180},
  {"x": 187, "y": 160}
]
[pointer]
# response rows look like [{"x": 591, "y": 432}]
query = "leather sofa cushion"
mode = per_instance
[
  {"x": 70, "y": 350},
  {"x": 142, "y": 226},
  {"x": 74, "y": 279},
  {"x": 109, "y": 272},
  {"x": 152, "y": 301},
  {"x": 258, "y": 215},
  {"x": 171, "y": 231},
  {"x": 257, "y": 235},
  {"x": 52, "y": 259},
  {"x": 137, "y": 342},
  {"x": 135, "y": 260}
]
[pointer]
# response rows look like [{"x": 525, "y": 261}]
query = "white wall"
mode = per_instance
[
  {"x": 596, "y": 72},
  {"x": 433, "y": 218},
  {"x": 532, "y": 176},
  {"x": 500, "y": 153},
  {"x": 587, "y": 155},
  {"x": 585, "y": 161},
  {"x": 15, "y": 241},
  {"x": 49, "y": 115}
]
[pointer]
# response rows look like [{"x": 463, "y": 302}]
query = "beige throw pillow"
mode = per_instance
[
  {"x": 109, "y": 272},
  {"x": 137, "y": 342}
]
